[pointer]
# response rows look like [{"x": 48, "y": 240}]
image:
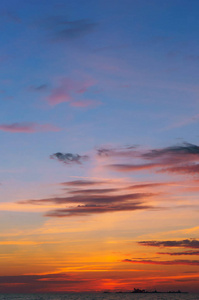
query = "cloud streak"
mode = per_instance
[
  {"x": 181, "y": 159},
  {"x": 187, "y": 243},
  {"x": 91, "y": 209},
  {"x": 96, "y": 202},
  {"x": 81, "y": 183},
  {"x": 38, "y": 283},
  {"x": 28, "y": 127},
  {"x": 60, "y": 28},
  {"x": 180, "y": 253},
  {"x": 69, "y": 90},
  {"x": 165, "y": 263}
]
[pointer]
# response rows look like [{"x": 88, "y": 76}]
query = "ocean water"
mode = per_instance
[{"x": 99, "y": 296}]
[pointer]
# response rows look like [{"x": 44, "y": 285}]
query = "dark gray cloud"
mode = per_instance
[
  {"x": 181, "y": 159},
  {"x": 186, "y": 149},
  {"x": 180, "y": 253},
  {"x": 131, "y": 167},
  {"x": 80, "y": 183},
  {"x": 69, "y": 158},
  {"x": 166, "y": 263},
  {"x": 85, "y": 210},
  {"x": 93, "y": 191},
  {"x": 187, "y": 243}
]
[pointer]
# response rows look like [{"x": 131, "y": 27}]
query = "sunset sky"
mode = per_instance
[{"x": 99, "y": 172}]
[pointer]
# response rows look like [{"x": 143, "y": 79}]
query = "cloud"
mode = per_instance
[
  {"x": 131, "y": 167},
  {"x": 93, "y": 191},
  {"x": 181, "y": 159},
  {"x": 92, "y": 209},
  {"x": 166, "y": 263},
  {"x": 28, "y": 127},
  {"x": 180, "y": 253},
  {"x": 38, "y": 88},
  {"x": 88, "y": 203},
  {"x": 188, "y": 243},
  {"x": 75, "y": 29},
  {"x": 92, "y": 199},
  {"x": 69, "y": 158},
  {"x": 82, "y": 183},
  {"x": 85, "y": 103},
  {"x": 174, "y": 154},
  {"x": 38, "y": 283},
  {"x": 184, "y": 122},
  {"x": 128, "y": 151},
  {"x": 58, "y": 95},
  {"x": 61, "y": 29},
  {"x": 147, "y": 185},
  {"x": 67, "y": 88},
  {"x": 188, "y": 169}
]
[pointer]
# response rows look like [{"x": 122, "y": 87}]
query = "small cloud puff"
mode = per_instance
[{"x": 69, "y": 158}]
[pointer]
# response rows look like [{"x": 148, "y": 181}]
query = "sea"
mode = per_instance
[{"x": 99, "y": 296}]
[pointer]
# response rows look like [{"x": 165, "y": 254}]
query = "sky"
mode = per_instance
[{"x": 99, "y": 147}]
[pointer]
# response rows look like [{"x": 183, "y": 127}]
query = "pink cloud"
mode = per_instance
[
  {"x": 58, "y": 95},
  {"x": 28, "y": 127},
  {"x": 85, "y": 103},
  {"x": 69, "y": 89},
  {"x": 183, "y": 169},
  {"x": 131, "y": 168}
]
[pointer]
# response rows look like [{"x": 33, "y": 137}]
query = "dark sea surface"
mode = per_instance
[{"x": 99, "y": 296}]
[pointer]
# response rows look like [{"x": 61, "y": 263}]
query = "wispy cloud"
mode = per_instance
[
  {"x": 69, "y": 90},
  {"x": 131, "y": 167},
  {"x": 180, "y": 253},
  {"x": 85, "y": 103},
  {"x": 187, "y": 169},
  {"x": 163, "y": 262},
  {"x": 93, "y": 191},
  {"x": 77, "y": 183},
  {"x": 28, "y": 127},
  {"x": 38, "y": 283},
  {"x": 96, "y": 201},
  {"x": 187, "y": 243},
  {"x": 38, "y": 88},
  {"x": 184, "y": 122},
  {"x": 60, "y": 28},
  {"x": 128, "y": 151},
  {"x": 148, "y": 185},
  {"x": 180, "y": 159},
  {"x": 174, "y": 153},
  {"x": 85, "y": 210}
]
